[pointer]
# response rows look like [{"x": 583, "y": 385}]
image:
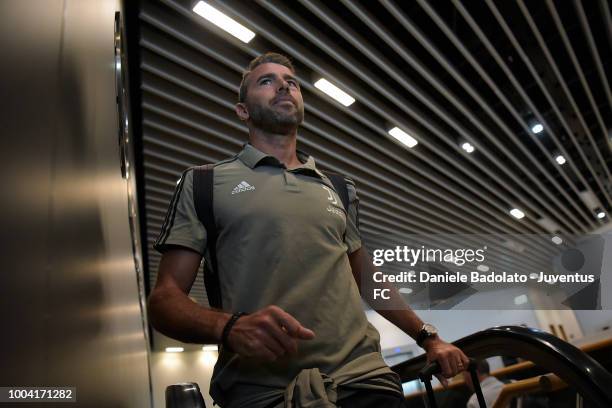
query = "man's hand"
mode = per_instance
[
  {"x": 452, "y": 360},
  {"x": 267, "y": 334}
]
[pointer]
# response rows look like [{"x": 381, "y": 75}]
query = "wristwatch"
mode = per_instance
[{"x": 427, "y": 331}]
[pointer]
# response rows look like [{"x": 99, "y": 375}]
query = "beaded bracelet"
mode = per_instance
[{"x": 227, "y": 328}]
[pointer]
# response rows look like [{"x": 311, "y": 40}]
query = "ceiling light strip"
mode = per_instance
[{"x": 223, "y": 21}]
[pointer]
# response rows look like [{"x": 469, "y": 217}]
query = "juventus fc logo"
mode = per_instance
[{"x": 330, "y": 197}]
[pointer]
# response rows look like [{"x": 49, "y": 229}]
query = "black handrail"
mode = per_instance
[{"x": 572, "y": 365}]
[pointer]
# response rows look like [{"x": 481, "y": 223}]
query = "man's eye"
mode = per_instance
[
  {"x": 293, "y": 84},
  {"x": 265, "y": 81}
]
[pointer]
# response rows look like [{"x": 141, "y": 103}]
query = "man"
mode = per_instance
[
  {"x": 288, "y": 255},
  {"x": 491, "y": 386}
]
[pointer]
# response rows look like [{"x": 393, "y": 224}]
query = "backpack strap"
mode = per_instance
[
  {"x": 340, "y": 185},
  {"x": 203, "y": 182}
]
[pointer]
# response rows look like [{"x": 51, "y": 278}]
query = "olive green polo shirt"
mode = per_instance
[{"x": 283, "y": 239}]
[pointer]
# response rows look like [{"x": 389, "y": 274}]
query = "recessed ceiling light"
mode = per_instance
[
  {"x": 335, "y": 92},
  {"x": 174, "y": 349},
  {"x": 537, "y": 128},
  {"x": 405, "y": 291},
  {"x": 560, "y": 159},
  {"x": 403, "y": 137},
  {"x": 601, "y": 215},
  {"x": 467, "y": 147},
  {"x": 556, "y": 240},
  {"x": 224, "y": 22},
  {"x": 482, "y": 268},
  {"x": 210, "y": 347},
  {"x": 516, "y": 213}
]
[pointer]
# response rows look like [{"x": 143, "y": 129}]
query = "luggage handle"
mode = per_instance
[{"x": 434, "y": 368}]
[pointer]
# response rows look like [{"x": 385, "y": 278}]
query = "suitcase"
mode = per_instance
[{"x": 434, "y": 368}]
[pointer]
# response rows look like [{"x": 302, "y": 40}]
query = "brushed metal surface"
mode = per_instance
[{"x": 69, "y": 296}]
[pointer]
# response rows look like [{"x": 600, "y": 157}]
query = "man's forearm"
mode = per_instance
[
  {"x": 403, "y": 316},
  {"x": 451, "y": 359},
  {"x": 397, "y": 311},
  {"x": 175, "y": 315}
]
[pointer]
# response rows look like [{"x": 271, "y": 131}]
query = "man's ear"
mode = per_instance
[{"x": 242, "y": 111}]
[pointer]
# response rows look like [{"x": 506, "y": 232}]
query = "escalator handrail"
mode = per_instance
[{"x": 554, "y": 355}]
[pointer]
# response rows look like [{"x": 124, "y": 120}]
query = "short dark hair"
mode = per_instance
[
  {"x": 482, "y": 366},
  {"x": 268, "y": 57}
]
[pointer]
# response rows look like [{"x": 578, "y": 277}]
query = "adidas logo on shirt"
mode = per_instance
[{"x": 242, "y": 187}]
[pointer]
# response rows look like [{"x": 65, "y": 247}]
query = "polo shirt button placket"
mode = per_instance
[{"x": 291, "y": 181}]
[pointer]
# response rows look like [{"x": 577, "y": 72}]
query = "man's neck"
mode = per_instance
[{"x": 283, "y": 147}]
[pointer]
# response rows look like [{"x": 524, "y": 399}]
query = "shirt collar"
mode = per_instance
[{"x": 253, "y": 157}]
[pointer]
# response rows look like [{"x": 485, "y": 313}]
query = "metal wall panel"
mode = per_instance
[{"x": 70, "y": 303}]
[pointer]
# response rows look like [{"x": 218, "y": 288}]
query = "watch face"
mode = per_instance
[{"x": 430, "y": 329}]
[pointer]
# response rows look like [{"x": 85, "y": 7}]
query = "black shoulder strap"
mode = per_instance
[
  {"x": 203, "y": 178},
  {"x": 340, "y": 185}
]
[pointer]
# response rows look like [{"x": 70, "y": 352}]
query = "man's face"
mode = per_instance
[{"x": 274, "y": 101}]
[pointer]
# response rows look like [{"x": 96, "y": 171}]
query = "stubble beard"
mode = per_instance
[{"x": 274, "y": 121}]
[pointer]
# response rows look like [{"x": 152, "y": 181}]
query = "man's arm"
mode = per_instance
[
  {"x": 267, "y": 334},
  {"x": 449, "y": 356},
  {"x": 172, "y": 312}
]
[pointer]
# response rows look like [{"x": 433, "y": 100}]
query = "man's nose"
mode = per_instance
[{"x": 284, "y": 85}]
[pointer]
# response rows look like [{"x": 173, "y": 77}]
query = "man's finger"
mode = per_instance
[
  {"x": 292, "y": 326},
  {"x": 305, "y": 334},
  {"x": 442, "y": 380},
  {"x": 460, "y": 365},
  {"x": 446, "y": 367},
  {"x": 452, "y": 362},
  {"x": 280, "y": 334}
]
